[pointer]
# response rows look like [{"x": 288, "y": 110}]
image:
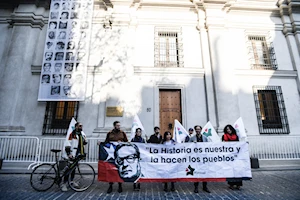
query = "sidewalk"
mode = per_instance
[
  {"x": 273, "y": 185},
  {"x": 270, "y": 165}
]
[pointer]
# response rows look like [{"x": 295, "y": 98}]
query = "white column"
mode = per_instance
[
  {"x": 18, "y": 86},
  {"x": 222, "y": 68},
  {"x": 208, "y": 78}
]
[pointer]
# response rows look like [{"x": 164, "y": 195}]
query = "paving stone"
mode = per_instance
[{"x": 273, "y": 185}]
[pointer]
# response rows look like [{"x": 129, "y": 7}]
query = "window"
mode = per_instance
[
  {"x": 58, "y": 116},
  {"x": 262, "y": 55},
  {"x": 168, "y": 47},
  {"x": 270, "y": 110}
]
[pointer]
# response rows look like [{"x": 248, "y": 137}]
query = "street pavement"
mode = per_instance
[{"x": 273, "y": 185}]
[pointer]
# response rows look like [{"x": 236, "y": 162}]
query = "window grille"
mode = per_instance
[
  {"x": 168, "y": 47},
  {"x": 261, "y": 53},
  {"x": 270, "y": 110},
  {"x": 58, "y": 116}
]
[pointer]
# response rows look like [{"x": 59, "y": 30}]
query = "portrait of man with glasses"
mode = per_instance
[{"x": 127, "y": 160}]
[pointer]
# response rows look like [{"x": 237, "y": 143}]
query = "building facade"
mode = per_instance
[{"x": 195, "y": 61}]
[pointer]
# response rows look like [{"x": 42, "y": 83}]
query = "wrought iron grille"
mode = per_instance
[
  {"x": 261, "y": 53},
  {"x": 58, "y": 116},
  {"x": 270, "y": 110},
  {"x": 168, "y": 47}
]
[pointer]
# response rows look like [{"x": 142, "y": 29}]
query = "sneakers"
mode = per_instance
[
  {"x": 63, "y": 187},
  {"x": 74, "y": 184},
  {"x": 206, "y": 189},
  {"x": 172, "y": 187},
  {"x": 136, "y": 186},
  {"x": 166, "y": 187},
  {"x": 196, "y": 190}
]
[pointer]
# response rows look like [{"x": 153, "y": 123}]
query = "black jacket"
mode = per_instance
[{"x": 154, "y": 139}]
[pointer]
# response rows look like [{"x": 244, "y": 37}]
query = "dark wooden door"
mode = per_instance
[{"x": 169, "y": 109}]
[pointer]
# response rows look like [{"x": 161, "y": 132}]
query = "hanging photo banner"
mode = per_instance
[
  {"x": 186, "y": 162},
  {"x": 64, "y": 69}
]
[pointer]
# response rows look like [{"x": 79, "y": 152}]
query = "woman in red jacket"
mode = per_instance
[{"x": 231, "y": 136}]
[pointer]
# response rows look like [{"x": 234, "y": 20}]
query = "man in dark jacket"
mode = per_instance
[
  {"x": 116, "y": 135},
  {"x": 199, "y": 138},
  {"x": 156, "y": 137}
]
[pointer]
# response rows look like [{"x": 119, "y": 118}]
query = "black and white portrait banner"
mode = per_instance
[
  {"x": 64, "y": 68},
  {"x": 190, "y": 162}
]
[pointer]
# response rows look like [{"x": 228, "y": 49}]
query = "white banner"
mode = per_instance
[
  {"x": 64, "y": 68},
  {"x": 132, "y": 162}
]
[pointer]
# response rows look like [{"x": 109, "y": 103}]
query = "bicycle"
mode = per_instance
[{"x": 45, "y": 175}]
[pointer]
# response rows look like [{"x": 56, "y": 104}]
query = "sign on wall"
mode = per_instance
[
  {"x": 186, "y": 162},
  {"x": 64, "y": 69}
]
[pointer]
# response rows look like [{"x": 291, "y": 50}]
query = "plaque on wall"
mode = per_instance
[{"x": 116, "y": 111}]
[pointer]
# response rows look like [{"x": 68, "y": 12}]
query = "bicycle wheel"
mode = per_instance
[
  {"x": 81, "y": 177},
  {"x": 43, "y": 177}
]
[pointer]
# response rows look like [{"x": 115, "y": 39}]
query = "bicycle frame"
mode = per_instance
[
  {"x": 73, "y": 169},
  {"x": 59, "y": 177}
]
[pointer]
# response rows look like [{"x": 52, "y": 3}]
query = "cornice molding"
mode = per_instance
[
  {"x": 166, "y": 3},
  {"x": 267, "y": 73},
  {"x": 255, "y": 26},
  {"x": 12, "y": 129},
  {"x": 157, "y": 71},
  {"x": 10, "y": 4},
  {"x": 289, "y": 8},
  {"x": 27, "y": 19},
  {"x": 36, "y": 70}
]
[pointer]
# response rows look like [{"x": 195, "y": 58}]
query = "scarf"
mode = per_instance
[
  {"x": 80, "y": 148},
  {"x": 230, "y": 137}
]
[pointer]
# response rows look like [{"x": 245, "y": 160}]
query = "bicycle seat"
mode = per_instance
[{"x": 55, "y": 150}]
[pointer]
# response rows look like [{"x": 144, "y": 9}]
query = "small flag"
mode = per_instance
[
  {"x": 179, "y": 132},
  {"x": 209, "y": 132},
  {"x": 240, "y": 129},
  {"x": 136, "y": 124},
  {"x": 67, "y": 142}
]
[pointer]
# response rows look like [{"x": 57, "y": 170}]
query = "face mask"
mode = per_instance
[{"x": 79, "y": 129}]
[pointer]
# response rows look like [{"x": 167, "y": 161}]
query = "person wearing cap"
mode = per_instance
[
  {"x": 156, "y": 137},
  {"x": 187, "y": 138}
]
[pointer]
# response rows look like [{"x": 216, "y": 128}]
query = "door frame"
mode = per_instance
[{"x": 157, "y": 87}]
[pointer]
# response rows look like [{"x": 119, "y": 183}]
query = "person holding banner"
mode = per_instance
[
  {"x": 156, "y": 137},
  {"x": 231, "y": 136},
  {"x": 199, "y": 138},
  {"x": 137, "y": 138},
  {"x": 187, "y": 138},
  {"x": 115, "y": 135},
  {"x": 167, "y": 140}
]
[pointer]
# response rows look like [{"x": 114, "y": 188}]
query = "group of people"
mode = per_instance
[{"x": 117, "y": 135}]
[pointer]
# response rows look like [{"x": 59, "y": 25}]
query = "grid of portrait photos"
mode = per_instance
[{"x": 63, "y": 74}]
